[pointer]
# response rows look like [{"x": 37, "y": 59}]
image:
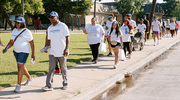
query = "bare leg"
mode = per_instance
[
  {"x": 26, "y": 73},
  {"x": 131, "y": 46},
  {"x": 109, "y": 39},
  {"x": 145, "y": 38},
  {"x": 20, "y": 73},
  {"x": 116, "y": 51},
  {"x": 154, "y": 37}
]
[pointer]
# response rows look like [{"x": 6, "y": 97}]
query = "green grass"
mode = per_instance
[{"x": 79, "y": 52}]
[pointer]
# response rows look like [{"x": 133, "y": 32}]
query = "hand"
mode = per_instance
[
  {"x": 46, "y": 51},
  {"x": 84, "y": 30},
  {"x": 121, "y": 46},
  {"x": 127, "y": 31},
  {"x": 65, "y": 54},
  {"x": 3, "y": 50},
  {"x": 107, "y": 28},
  {"x": 33, "y": 57}
]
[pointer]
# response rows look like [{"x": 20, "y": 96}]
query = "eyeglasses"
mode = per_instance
[
  {"x": 17, "y": 22},
  {"x": 51, "y": 17}
]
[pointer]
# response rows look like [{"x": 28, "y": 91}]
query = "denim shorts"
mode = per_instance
[{"x": 21, "y": 57}]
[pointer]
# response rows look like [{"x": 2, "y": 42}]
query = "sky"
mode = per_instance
[{"x": 159, "y": 1}]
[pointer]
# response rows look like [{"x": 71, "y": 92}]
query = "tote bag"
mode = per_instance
[
  {"x": 102, "y": 47},
  {"x": 121, "y": 55}
]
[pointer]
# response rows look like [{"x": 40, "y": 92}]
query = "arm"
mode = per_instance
[
  {"x": 32, "y": 48},
  {"x": 148, "y": 25},
  {"x": 121, "y": 42},
  {"x": 65, "y": 54},
  {"x": 85, "y": 32},
  {"x": 10, "y": 45}
]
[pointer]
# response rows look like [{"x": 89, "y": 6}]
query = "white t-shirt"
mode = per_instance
[
  {"x": 126, "y": 36},
  {"x": 109, "y": 25},
  {"x": 94, "y": 33},
  {"x": 133, "y": 23},
  {"x": 22, "y": 42},
  {"x": 106, "y": 33},
  {"x": 172, "y": 26},
  {"x": 57, "y": 34},
  {"x": 168, "y": 25},
  {"x": 141, "y": 27},
  {"x": 114, "y": 37},
  {"x": 156, "y": 25}
]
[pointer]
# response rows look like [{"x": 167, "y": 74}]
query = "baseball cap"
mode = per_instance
[
  {"x": 20, "y": 19},
  {"x": 110, "y": 17},
  {"x": 129, "y": 15},
  {"x": 53, "y": 13},
  {"x": 142, "y": 19}
]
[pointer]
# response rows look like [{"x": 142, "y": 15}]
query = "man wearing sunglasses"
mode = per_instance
[{"x": 58, "y": 41}]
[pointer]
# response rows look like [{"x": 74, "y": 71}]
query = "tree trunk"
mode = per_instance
[{"x": 7, "y": 19}]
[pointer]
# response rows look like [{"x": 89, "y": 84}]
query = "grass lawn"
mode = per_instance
[{"x": 79, "y": 52}]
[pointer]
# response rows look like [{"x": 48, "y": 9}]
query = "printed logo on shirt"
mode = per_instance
[{"x": 56, "y": 30}]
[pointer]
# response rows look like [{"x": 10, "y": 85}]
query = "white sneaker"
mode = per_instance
[
  {"x": 47, "y": 88},
  {"x": 144, "y": 43},
  {"x": 18, "y": 88},
  {"x": 115, "y": 66},
  {"x": 154, "y": 43},
  {"x": 28, "y": 81},
  {"x": 157, "y": 42}
]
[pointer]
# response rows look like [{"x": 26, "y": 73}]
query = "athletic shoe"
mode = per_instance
[
  {"x": 110, "y": 54},
  {"x": 28, "y": 81},
  {"x": 157, "y": 42},
  {"x": 129, "y": 56},
  {"x": 18, "y": 88},
  {"x": 65, "y": 86},
  {"x": 56, "y": 71},
  {"x": 141, "y": 48},
  {"x": 144, "y": 43},
  {"x": 47, "y": 88},
  {"x": 115, "y": 65},
  {"x": 95, "y": 62},
  {"x": 154, "y": 43}
]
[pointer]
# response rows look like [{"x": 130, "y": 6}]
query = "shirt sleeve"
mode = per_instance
[
  {"x": 28, "y": 35},
  {"x": 66, "y": 30},
  {"x": 138, "y": 26},
  {"x": 12, "y": 36},
  {"x": 48, "y": 34},
  {"x": 134, "y": 24},
  {"x": 101, "y": 29},
  {"x": 120, "y": 33}
]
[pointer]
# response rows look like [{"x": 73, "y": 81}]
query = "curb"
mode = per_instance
[{"x": 98, "y": 89}]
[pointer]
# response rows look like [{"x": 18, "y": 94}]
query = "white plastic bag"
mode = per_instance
[
  {"x": 102, "y": 47},
  {"x": 121, "y": 55}
]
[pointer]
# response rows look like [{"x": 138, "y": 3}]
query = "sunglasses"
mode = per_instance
[
  {"x": 51, "y": 17},
  {"x": 17, "y": 22}
]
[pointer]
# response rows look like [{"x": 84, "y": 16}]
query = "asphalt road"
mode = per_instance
[{"x": 161, "y": 82}]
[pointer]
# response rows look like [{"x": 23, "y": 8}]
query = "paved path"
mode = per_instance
[
  {"x": 162, "y": 82},
  {"x": 82, "y": 77}
]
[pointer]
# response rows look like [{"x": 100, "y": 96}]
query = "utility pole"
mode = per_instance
[
  {"x": 94, "y": 8},
  {"x": 151, "y": 14},
  {"x": 22, "y": 8}
]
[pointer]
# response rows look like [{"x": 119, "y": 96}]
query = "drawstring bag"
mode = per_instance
[{"x": 121, "y": 55}]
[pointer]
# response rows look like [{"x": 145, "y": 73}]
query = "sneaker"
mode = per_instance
[
  {"x": 18, "y": 88},
  {"x": 115, "y": 65},
  {"x": 141, "y": 48},
  {"x": 158, "y": 43},
  {"x": 110, "y": 54},
  {"x": 129, "y": 56},
  {"x": 28, "y": 81},
  {"x": 56, "y": 71},
  {"x": 95, "y": 62},
  {"x": 65, "y": 86},
  {"x": 154, "y": 43},
  {"x": 144, "y": 43},
  {"x": 46, "y": 88}
]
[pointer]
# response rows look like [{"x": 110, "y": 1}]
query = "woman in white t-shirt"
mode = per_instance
[
  {"x": 115, "y": 36},
  {"x": 156, "y": 27},
  {"x": 172, "y": 28},
  {"x": 21, "y": 49},
  {"x": 127, "y": 31},
  {"x": 94, "y": 33},
  {"x": 167, "y": 27}
]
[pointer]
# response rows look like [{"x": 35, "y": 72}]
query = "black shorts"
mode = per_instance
[
  {"x": 146, "y": 30},
  {"x": 117, "y": 45},
  {"x": 172, "y": 31},
  {"x": 167, "y": 28},
  {"x": 132, "y": 38}
]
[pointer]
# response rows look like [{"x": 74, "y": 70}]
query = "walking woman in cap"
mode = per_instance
[{"x": 20, "y": 39}]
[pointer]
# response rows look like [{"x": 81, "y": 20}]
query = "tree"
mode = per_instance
[
  {"x": 129, "y": 6},
  {"x": 176, "y": 11},
  {"x": 64, "y": 7},
  {"x": 169, "y": 6},
  {"x": 30, "y": 7}
]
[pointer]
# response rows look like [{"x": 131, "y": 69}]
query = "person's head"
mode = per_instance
[
  {"x": 115, "y": 26},
  {"x": 20, "y": 23},
  {"x": 171, "y": 21},
  {"x": 129, "y": 16},
  {"x": 155, "y": 18},
  {"x": 162, "y": 20},
  {"x": 105, "y": 23},
  {"x": 93, "y": 21},
  {"x": 175, "y": 21},
  {"x": 110, "y": 18},
  {"x": 145, "y": 17},
  {"x": 141, "y": 20},
  {"x": 126, "y": 23},
  {"x": 168, "y": 20},
  {"x": 53, "y": 17}
]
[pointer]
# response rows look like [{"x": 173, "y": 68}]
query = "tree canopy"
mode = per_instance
[{"x": 169, "y": 6}]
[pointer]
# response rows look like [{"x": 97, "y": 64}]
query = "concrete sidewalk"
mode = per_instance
[{"x": 87, "y": 80}]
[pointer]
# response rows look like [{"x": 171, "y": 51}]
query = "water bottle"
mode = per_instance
[
  {"x": 126, "y": 31},
  {"x": 44, "y": 49}
]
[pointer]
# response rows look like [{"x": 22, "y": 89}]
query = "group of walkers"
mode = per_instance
[
  {"x": 122, "y": 37},
  {"x": 57, "y": 40}
]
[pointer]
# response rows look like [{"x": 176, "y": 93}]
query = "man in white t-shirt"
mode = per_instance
[
  {"x": 156, "y": 27},
  {"x": 133, "y": 23},
  {"x": 58, "y": 40},
  {"x": 141, "y": 28},
  {"x": 172, "y": 27},
  {"x": 108, "y": 28}
]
